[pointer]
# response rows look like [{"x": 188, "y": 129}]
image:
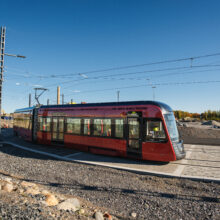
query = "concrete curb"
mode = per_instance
[{"x": 140, "y": 171}]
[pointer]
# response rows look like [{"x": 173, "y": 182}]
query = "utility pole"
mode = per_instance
[
  {"x": 2, "y": 54},
  {"x": 153, "y": 87}
]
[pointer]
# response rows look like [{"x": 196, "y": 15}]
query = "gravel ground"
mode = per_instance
[
  {"x": 118, "y": 192},
  {"x": 12, "y": 207},
  {"x": 193, "y": 134}
]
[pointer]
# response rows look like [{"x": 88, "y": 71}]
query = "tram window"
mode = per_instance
[
  {"x": 107, "y": 127},
  {"x": 40, "y": 122},
  {"x": 26, "y": 123},
  {"x": 22, "y": 123},
  {"x": 155, "y": 131},
  {"x": 102, "y": 127},
  {"x": 46, "y": 124},
  {"x": 97, "y": 127},
  {"x": 30, "y": 124},
  {"x": 73, "y": 125},
  {"x": 119, "y": 128},
  {"x": 133, "y": 128},
  {"x": 87, "y": 127}
]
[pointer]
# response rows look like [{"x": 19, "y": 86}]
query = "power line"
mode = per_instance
[
  {"x": 131, "y": 66},
  {"x": 147, "y": 64},
  {"x": 138, "y": 78},
  {"x": 127, "y": 67},
  {"x": 161, "y": 75},
  {"x": 132, "y": 73},
  {"x": 153, "y": 84},
  {"x": 120, "y": 74},
  {"x": 144, "y": 78}
]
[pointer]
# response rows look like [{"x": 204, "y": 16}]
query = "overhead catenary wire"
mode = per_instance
[
  {"x": 108, "y": 76},
  {"x": 131, "y": 66},
  {"x": 120, "y": 74},
  {"x": 146, "y": 64},
  {"x": 28, "y": 75},
  {"x": 132, "y": 73},
  {"x": 143, "y": 78},
  {"x": 150, "y": 85}
]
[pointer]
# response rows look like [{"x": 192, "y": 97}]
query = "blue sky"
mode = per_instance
[{"x": 64, "y": 38}]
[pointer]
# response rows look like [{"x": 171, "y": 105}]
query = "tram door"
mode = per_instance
[
  {"x": 58, "y": 129},
  {"x": 134, "y": 136}
]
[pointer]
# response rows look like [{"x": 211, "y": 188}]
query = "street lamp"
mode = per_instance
[
  {"x": 2, "y": 54},
  {"x": 13, "y": 55}
]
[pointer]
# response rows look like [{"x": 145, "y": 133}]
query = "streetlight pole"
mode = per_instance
[
  {"x": 118, "y": 95},
  {"x": 2, "y": 54},
  {"x": 153, "y": 87}
]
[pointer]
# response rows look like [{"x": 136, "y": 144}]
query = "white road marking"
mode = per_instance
[
  {"x": 70, "y": 155},
  {"x": 182, "y": 166}
]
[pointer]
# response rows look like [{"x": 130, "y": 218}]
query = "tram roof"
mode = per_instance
[
  {"x": 24, "y": 109},
  {"x": 164, "y": 107}
]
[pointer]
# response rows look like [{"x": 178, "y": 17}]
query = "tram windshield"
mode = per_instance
[{"x": 171, "y": 126}]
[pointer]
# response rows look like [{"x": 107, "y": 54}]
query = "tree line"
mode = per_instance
[{"x": 207, "y": 115}]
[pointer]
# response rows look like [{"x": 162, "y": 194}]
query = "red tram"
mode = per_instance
[{"x": 140, "y": 129}]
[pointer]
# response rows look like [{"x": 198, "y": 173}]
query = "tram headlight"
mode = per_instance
[{"x": 179, "y": 149}]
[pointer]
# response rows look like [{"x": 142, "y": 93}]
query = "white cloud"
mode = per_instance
[{"x": 37, "y": 85}]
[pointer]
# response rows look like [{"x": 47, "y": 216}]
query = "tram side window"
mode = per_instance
[
  {"x": 17, "y": 122},
  {"x": 133, "y": 128},
  {"x": 40, "y": 123},
  {"x": 26, "y": 123},
  {"x": 73, "y": 125},
  {"x": 155, "y": 131},
  {"x": 44, "y": 123},
  {"x": 30, "y": 124},
  {"x": 87, "y": 127},
  {"x": 107, "y": 127},
  {"x": 102, "y": 127},
  {"x": 119, "y": 128}
]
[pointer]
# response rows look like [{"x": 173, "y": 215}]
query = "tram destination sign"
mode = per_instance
[{"x": 134, "y": 114}]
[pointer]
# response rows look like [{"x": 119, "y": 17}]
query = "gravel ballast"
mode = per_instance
[{"x": 121, "y": 193}]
